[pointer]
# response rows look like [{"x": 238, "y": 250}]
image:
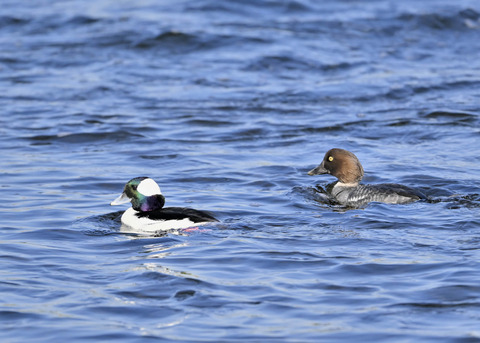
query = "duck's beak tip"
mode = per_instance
[{"x": 121, "y": 199}]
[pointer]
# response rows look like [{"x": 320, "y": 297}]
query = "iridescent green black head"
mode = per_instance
[{"x": 143, "y": 193}]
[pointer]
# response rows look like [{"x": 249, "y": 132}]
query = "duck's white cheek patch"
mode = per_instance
[{"x": 148, "y": 187}]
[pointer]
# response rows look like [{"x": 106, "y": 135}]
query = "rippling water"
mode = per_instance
[{"x": 228, "y": 105}]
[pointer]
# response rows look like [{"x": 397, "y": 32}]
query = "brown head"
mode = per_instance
[{"x": 342, "y": 164}]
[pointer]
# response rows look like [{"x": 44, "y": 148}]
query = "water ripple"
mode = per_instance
[{"x": 228, "y": 105}]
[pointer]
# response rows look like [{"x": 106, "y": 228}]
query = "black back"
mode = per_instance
[
  {"x": 178, "y": 213},
  {"x": 389, "y": 188}
]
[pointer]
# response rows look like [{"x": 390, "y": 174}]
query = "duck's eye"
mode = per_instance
[{"x": 330, "y": 158}]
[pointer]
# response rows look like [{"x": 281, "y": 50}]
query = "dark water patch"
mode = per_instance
[
  {"x": 452, "y": 295},
  {"x": 11, "y": 62},
  {"x": 401, "y": 122},
  {"x": 392, "y": 269},
  {"x": 81, "y": 20},
  {"x": 261, "y": 107},
  {"x": 261, "y": 184},
  {"x": 433, "y": 186},
  {"x": 410, "y": 90},
  {"x": 7, "y": 21},
  {"x": 184, "y": 294},
  {"x": 11, "y": 317},
  {"x": 250, "y": 8},
  {"x": 82, "y": 138},
  {"x": 286, "y": 62},
  {"x": 458, "y": 21},
  {"x": 173, "y": 41},
  {"x": 83, "y": 335},
  {"x": 285, "y": 6},
  {"x": 161, "y": 157},
  {"x": 314, "y": 195},
  {"x": 100, "y": 225},
  {"x": 452, "y": 117},
  {"x": 125, "y": 38},
  {"x": 210, "y": 122},
  {"x": 184, "y": 43},
  {"x": 47, "y": 24},
  {"x": 144, "y": 295},
  {"x": 347, "y": 288},
  {"x": 452, "y": 200},
  {"x": 277, "y": 63},
  {"x": 469, "y": 13},
  {"x": 315, "y": 27},
  {"x": 343, "y": 126},
  {"x": 470, "y": 201}
]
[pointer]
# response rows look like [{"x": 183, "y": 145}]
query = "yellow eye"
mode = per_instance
[{"x": 330, "y": 158}]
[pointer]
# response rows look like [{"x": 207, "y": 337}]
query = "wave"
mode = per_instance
[
  {"x": 84, "y": 137},
  {"x": 461, "y": 20}
]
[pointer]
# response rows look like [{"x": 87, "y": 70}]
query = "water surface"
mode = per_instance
[{"x": 228, "y": 105}]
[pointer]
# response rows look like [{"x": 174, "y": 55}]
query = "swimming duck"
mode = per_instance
[
  {"x": 147, "y": 212},
  {"x": 347, "y": 191}
]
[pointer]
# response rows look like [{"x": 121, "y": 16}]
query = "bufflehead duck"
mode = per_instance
[
  {"x": 346, "y": 167},
  {"x": 147, "y": 213}
]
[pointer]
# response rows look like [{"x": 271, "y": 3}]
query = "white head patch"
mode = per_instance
[{"x": 148, "y": 187}]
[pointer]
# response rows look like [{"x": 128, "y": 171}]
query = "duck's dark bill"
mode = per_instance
[{"x": 318, "y": 170}]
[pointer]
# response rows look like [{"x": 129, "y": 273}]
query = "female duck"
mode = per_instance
[
  {"x": 347, "y": 191},
  {"x": 147, "y": 212}
]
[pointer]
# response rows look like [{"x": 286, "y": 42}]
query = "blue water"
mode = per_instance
[{"x": 227, "y": 105}]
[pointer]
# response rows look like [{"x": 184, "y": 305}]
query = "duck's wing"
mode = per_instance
[{"x": 178, "y": 213}]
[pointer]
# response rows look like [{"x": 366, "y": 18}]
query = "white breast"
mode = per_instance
[{"x": 132, "y": 223}]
